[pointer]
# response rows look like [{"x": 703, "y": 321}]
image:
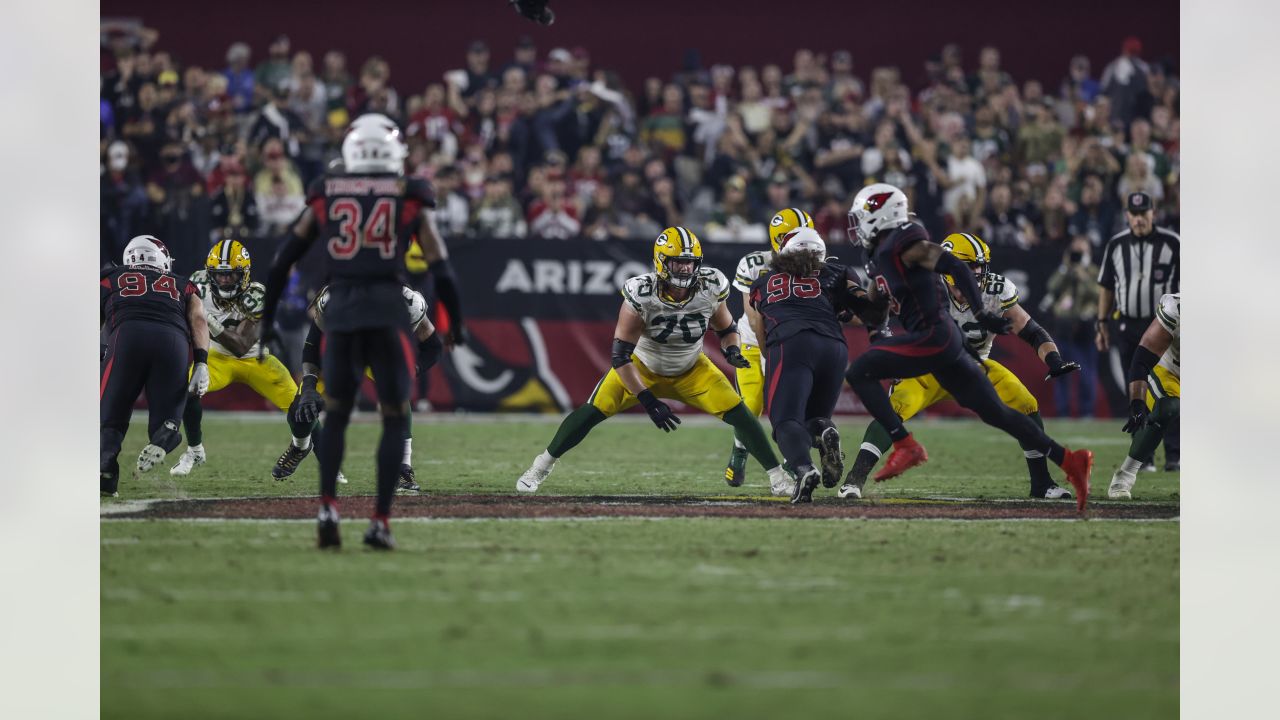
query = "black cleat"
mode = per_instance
[
  {"x": 327, "y": 535},
  {"x": 807, "y": 479},
  {"x": 289, "y": 461},
  {"x": 736, "y": 471},
  {"x": 407, "y": 481},
  {"x": 109, "y": 479},
  {"x": 832, "y": 457},
  {"x": 1172, "y": 465},
  {"x": 378, "y": 536}
]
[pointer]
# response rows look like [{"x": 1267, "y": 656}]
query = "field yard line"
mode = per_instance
[{"x": 641, "y": 518}]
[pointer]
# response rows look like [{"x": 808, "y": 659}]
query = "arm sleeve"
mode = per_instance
[
  {"x": 429, "y": 351},
  {"x": 948, "y": 264},
  {"x": 311, "y": 347},
  {"x": 1107, "y": 276},
  {"x": 447, "y": 290}
]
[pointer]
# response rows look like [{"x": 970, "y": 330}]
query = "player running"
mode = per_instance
[
  {"x": 1155, "y": 377},
  {"x": 233, "y": 309},
  {"x": 911, "y": 395},
  {"x": 793, "y": 306},
  {"x": 905, "y": 266},
  {"x": 749, "y": 381},
  {"x": 366, "y": 217},
  {"x": 307, "y": 405},
  {"x": 153, "y": 319},
  {"x": 663, "y": 318}
]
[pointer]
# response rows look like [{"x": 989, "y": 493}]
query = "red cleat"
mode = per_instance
[
  {"x": 907, "y": 453},
  {"x": 1078, "y": 464}
]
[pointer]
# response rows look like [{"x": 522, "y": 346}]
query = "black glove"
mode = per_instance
[
  {"x": 457, "y": 336},
  {"x": 1138, "y": 415},
  {"x": 992, "y": 323},
  {"x": 734, "y": 355},
  {"x": 309, "y": 402},
  {"x": 1058, "y": 368},
  {"x": 658, "y": 411}
]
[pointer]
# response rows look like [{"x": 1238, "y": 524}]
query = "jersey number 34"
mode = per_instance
[{"x": 356, "y": 232}]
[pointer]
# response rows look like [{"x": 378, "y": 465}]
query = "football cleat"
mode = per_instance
[
  {"x": 407, "y": 480},
  {"x": 342, "y": 479},
  {"x": 150, "y": 456},
  {"x": 1053, "y": 492},
  {"x": 378, "y": 536},
  {"x": 735, "y": 473},
  {"x": 850, "y": 491},
  {"x": 1121, "y": 485},
  {"x": 191, "y": 458},
  {"x": 109, "y": 479},
  {"x": 907, "y": 453},
  {"x": 1148, "y": 466},
  {"x": 1078, "y": 464},
  {"x": 534, "y": 476},
  {"x": 832, "y": 457},
  {"x": 327, "y": 535},
  {"x": 289, "y": 461},
  {"x": 781, "y": 484},
  {"x": 810, "y": 476}
]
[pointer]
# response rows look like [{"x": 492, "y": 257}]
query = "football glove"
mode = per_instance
[
  {"x": 992, "y": 323},
  {"x": 1058, "y": 368},
  {"x": 733, "y": 354},
  {"x": 1138, "y": 415},
  {"x": 199, "y": 383},
  {"x": 659, "y": 412},
  {"x": 309, "y": 401}
]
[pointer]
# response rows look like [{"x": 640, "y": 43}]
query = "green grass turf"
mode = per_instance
[
  {"x": 623, "y": 455},
  {"x": 643, "y": 619}
]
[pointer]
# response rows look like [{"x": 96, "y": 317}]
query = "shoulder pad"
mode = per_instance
[
  {"x": 1167, "y": 314},
  {"x": 253, "y": 299},
  {"x": 716, "y": 282},
  {"x": 751, "y": 266},
  {"x": 639, "y": 289}
]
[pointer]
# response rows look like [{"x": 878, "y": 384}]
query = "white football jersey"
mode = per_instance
[
  {"x": 248, "y": 306},
  {"x": 750, "y": 267},
  {"x": 672, "y": 337},
  {"x": 1167, "y": 315},
  {"x": 414, "y": 299},
  {"x": 998, "y": 295}
]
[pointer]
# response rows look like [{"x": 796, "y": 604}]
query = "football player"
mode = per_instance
[
  {"x": 905, "y": 265},
  {"x": 233, "y": 308},
  {"x": 749, "y": 381},
  {"x": 366, "y": 217},
  {"x": 307, "y": 405},
  {"x": 912, "y": 395},
  {"x": 1155, "y": 391},
  {"x": 793, "y": 306},
  {"x": 657, "y": 353},
  {"x": 153, "y": 320}
]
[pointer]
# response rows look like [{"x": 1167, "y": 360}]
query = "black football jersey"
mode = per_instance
[
  {"x": 789, "y": 305},
  {"x": 138, "y": 294},
  {"x": 365, "y": 223},
  {"x": 916, "y": 295}
]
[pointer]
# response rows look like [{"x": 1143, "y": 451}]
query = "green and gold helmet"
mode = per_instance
[
  {"x": 970, "y": 250},
  {"x": 677, "y": 257}
]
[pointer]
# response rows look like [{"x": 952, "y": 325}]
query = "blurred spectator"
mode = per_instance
[
  {"x": 452, "y": 209},
  {"x": 478, "y": 76},
  {"x": 179, "y": 208},
  {"x": 239, "y": 78},
  {"x": 1137, "y": 178},
  {"x": 336, "y": 80},
  {"x": 552, "y": 216},
  {"x": 278, "y": 190},
  {"x": 664, "y": 125},
  {"x": 1124, "y": 81},
  {"x": 275, "y": 70},
  {"x": 733, "y": 220},
  {"x": 966, "y": 184},
  {"x": 144, "y": 125},
  {"x": 1093, "y": 219},
  {"x": 602, "y": 220},
  {"x": 1005, "y": 225},
  {"x": 122, "y": 203},
  {"x": 1079, "y": 85},
  {"x": 498, "y": 214},
  {"x": 1071, "y": 300},
  {"x": 234, "y": 210},
  {"x": 277, "y": 121}
]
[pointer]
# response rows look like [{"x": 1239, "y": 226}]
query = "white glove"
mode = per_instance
[{"x": 199, "y": 379}]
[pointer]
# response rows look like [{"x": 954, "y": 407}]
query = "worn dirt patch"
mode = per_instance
[{"x": 555, "y": 506}]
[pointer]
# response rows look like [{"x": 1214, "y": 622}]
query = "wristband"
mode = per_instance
[
  {"x": 733, "y": 328},
  {"x": 201, "y": 355},
  {"x": 1053, "y": 359},
  {"x": 647, "y": 398}
]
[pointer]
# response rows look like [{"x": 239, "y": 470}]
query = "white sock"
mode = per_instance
[
  {"x": 302, "y": 443},
  {"x": 408, "y": 452},
  {"x": 871, "y": 448},
  {"x": 544, "y": 461},
  {"x": 1130, "y": 466}
]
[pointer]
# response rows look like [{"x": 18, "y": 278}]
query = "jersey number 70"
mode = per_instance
[{"x": 355, "y": 232}]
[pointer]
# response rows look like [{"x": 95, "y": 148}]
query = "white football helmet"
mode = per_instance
[
  {"x": 876, "y": 208},
  {"x": 803, "y": 240},
  {"x": 417, "y": 305},
  {"x": 374, "y": 145},
  {"x": 147, "y": 251}
]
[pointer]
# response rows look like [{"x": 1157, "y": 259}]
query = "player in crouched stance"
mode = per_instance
[
  {"x": 1156, "y": 373},
  {"x": 657, "y": 353},
  {"x": 793, "y": 307}
]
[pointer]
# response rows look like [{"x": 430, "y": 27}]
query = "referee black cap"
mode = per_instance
[{"x": 1138, "y": 202}]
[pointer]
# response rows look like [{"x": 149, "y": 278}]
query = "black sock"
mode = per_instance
[
  {"x": 390, "y": 452},
  {"x": 862, "y": 467},
  {"x": 1037, "y": 464},
  {"x": 330, "y": 450},
  {"x": 191, "y": 417}
]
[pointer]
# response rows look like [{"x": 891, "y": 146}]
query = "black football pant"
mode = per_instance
[
  {"x": 940, "y": 351},
  {"x": 804, "y": 374},
  {"x": 387, "y": 352},
  {"x": 1126, "y": 334},
  {"x": 141, "y": 356}
]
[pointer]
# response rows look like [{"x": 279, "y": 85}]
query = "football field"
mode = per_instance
[{"x": 637, "y": 584}]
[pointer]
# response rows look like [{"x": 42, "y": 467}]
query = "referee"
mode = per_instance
[{"x": 1138, "y": 267}]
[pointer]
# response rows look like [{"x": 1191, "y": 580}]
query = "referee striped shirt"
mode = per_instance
[{"x": 1140, "y": 270}]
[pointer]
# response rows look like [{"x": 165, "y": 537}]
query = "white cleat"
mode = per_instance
[
  {"x": 531, "y": 479},
  {"x": 342, "y": 479},
  {"x": 780, "y": 483},
  {"x": 150, "y": 456},
  {"x": 1056, "y": 492},
  {"x": 1121, "y": 485},
  {"x": 191, "y": 458},
  {"x": 850, "y": 491}
]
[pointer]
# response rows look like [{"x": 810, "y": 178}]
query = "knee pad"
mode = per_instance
[{"x": 167, "y": 435}]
